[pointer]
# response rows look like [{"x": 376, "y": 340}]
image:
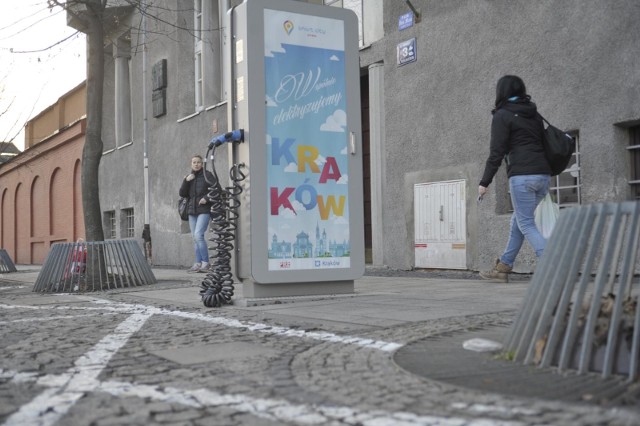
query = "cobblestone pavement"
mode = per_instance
[{"x": 107, "y": 359}]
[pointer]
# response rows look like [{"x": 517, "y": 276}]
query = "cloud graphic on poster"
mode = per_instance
[
  {"x": 320, "y": 160},
  {"x": 268, "y": 139},
  {"x": 334, "y": 58},
  {"x": 343, "y": 151},
  {"x": 286, "y": 213},
  {"x": 291, "y": 168},
  {"x": 272, "y": 45},
  {"x": 339, "y": 220},
  {"x": 344, "y": 179},
  {"x": 270, "y": 102},
  {"x": 335, "y": 122},
  {"x": 281, "y": 233},
  {"x": 298, "y": 206}
]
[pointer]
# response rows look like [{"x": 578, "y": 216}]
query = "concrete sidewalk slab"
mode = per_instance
[{"x": 376, "y": 302}]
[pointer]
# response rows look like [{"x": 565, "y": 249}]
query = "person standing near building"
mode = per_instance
[
  {"x": 516, "y": 137},
  {"x": 195, "y": 188}
]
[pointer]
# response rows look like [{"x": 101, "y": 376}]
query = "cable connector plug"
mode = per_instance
[{"x": 232, "y": 136}]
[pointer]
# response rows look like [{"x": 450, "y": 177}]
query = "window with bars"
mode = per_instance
[
  {"x": 123, "y": 108},
  {"x": 634, "y": 156},
  {"x": 357, "y": 7},
  {"x": 197, "y": 54},
  {"x": 128, "y": 222},
  {"x": 565, "y": 188},
  {"x": 110, "y": 224}
]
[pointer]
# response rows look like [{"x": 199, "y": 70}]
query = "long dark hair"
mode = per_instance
[{"x": 508, "y": 86}]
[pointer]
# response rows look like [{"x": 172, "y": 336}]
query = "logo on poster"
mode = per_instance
[
  {"x": 288, "y": 26},
  {"x": 285, "y": 264},
  {"x": 312, "y": 31}
]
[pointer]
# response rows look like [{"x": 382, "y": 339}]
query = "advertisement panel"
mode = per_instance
[{"x": 307, "y": 165}]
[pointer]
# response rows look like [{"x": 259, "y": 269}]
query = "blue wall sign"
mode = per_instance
[
  {"x": 407, "y": 51},
  {"x": 405, "y": 21}
]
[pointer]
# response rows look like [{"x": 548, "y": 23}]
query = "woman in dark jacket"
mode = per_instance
[
  {"x": 195, "y": 188},
  {"x": 516, "y": 137}
]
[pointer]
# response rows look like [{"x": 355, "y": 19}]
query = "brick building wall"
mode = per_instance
[{"x": 40, "y": 196}]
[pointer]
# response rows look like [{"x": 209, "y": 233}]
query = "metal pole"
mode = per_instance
[
  {"x": 415, "y": 12},
  {"x": 231, "y": 117},
  {"x": 146, "y": 233}
]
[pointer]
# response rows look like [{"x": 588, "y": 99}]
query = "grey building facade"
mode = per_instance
[{"x": 427, "y": 89}]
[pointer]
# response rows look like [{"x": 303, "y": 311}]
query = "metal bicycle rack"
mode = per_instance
[
  {"x": 581, "y": 309},
  {"x": 93, "y": 266}
]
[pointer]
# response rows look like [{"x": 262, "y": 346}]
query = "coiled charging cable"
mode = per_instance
[{"x": 217, "y": 287}]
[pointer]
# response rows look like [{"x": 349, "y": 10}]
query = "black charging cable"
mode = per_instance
[{"x": 217, "y": 287}]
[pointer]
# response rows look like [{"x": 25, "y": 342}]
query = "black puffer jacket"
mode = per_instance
[
  {"x": 195, "y": 190},
  {"x": 516, "y": 131}
]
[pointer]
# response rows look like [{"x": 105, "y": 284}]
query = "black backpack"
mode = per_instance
[{"x": 558, "y": 148}]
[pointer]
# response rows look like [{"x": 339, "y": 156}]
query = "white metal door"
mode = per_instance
[{"x": 440, "y": 225}]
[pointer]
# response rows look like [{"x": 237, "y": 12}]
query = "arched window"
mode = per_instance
[
  {"x": 39, "y": 208},
  {"x": 21, "y": 225},
  {"x": 78, "y": 215},
  {"x": 59, "y": 204},
  {"x": 4, "y": 219}
]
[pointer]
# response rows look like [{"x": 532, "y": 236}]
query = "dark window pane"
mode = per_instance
[{"x": 634, "y": 140}]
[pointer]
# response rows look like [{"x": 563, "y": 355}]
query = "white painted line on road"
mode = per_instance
[
  {"x": 288, "y": 332},
  {"x": 278, "y": 410},
  {"x": 66, "y": 389},
  {"x": 3, "y": 306},
  {"x": 263, "y": 328},
  {"x": 228, "y": 322},
  {"x": 11, "y": 288},
  {"x": 495, "y": 409},
  {"x": 18, "y": 377}
]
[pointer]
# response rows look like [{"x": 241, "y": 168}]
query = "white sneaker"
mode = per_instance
[
  {"x": 194, "y": 268},
  {"x": 204, "y": 267}
]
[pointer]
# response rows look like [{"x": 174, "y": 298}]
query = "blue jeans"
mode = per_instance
[
  {"x": 198, "y": 225},
  {"x": 526, "y": 193}
]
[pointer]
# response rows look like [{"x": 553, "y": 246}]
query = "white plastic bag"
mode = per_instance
[
  {"x": 481, "y": 345},
  {"x": 546, "y": 215}
]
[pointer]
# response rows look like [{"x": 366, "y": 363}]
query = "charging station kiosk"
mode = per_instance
[{"x": 295, "y": 91}]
